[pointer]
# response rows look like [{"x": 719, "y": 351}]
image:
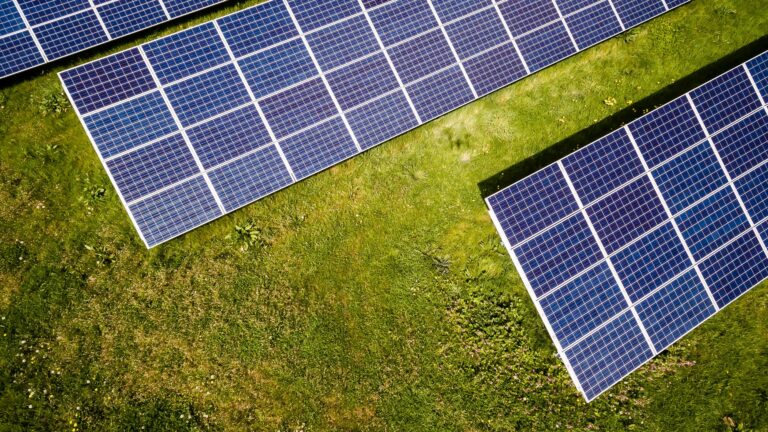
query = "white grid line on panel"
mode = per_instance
[
  {"x": 565, "y": 24},
  {"x": 672, "y": 219},
  {"x": 104, "y": 164},
  {"x": 322, "y": 76},
  {"x": 607, "y": 259},
  {"x": 95, "y": 9},
  {"x": 183, "y": 132},
  {"x": 101, "y": 21},
  {"x": 754, "y": 84},
  {"x": 164, "y": 189},
  {"x": 511, "y": 38},
  {"x": 453, "y": 49},
  {"x": 255, "y": 102},
  {"x": 666, "y": 6},
  {"x": 650, "y": 231},
  {"x": 738, "y": 195},
  {"x": 389, "y": 60},
  {"x": 661, "y": 287},
  {"x": 616, "y": 13},
  {"x": 140, "y": 146},
  {"x": 302, "y": 34},
  {"x": 665, "y": 161},
  {"x": 537, "y": 305},
  {"x": 722, "y": 165},
  {"x": 165, "y": 10},
  {"x": 31, "y": 31}
]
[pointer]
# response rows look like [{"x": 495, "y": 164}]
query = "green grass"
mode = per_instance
[{"x": 374, "y": 296}]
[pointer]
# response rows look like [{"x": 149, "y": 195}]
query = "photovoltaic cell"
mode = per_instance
[
  {"x": 680, "y": 211},
  {"x": 314, "y": 82},
  {"x": 675, "y": 309},
  {"x": 64, "y": 27}
]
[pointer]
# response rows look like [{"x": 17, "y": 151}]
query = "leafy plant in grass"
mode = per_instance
[
  {"x": 250, "y": 236},
  {"x": 52, "y": 102},
  {"x": 104, "y": 257},
  {"x": 93, "y": 194}
]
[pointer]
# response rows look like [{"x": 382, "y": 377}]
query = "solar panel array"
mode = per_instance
[
  {"x": 202, "y": 122},
  {"x": 34, "y": 32},
  {"x": 631, "y": 242}
]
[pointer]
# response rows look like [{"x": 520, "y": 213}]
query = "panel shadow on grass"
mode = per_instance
[{"x": 580, "y": 139}]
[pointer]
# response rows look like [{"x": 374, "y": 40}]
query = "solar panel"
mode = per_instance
[
  {"x": 309, "y": 81},
  {"x": 632, "y": 241},
  {"x": 35, "y": 32}
]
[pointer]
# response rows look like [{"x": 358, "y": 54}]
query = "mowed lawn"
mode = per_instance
[{"x": 373, "y": 296}]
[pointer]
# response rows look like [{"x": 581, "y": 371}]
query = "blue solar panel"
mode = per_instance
[
  {"x": 343, "y": 42},
  {"x": 607, "y": 355},
  {"x": 633, "y": 12},
  {"x": 175, "y": 211},
  {"x": 583, "y": 304},
  {"x": 677, "y": 212},
  {"x": 107, "y": 81},
  {"x": 10, "y": 20},
  {"x": 520, "y": 217},
  {"x": 207, "y": 95},
  {"x": 57, "y": 28},
  {"x": 666, "y": 131},
  {"x": 422, "y": 56},
  {"x": 546, "y": 46},
  {"x": 523, "y": 17},
  {"x": 675, "y": 309},
  {"x": 402, "y": 19},
  {"x": 256, "y": 28},
  {"x": 276, "y": 68},
  {"x": 318, "y": 148},
  {"x": 186, "y": 53},
  {"x": 440, "y": 93},
  {"x": 753, "y": 190},
  {"x": 38, "y": 12},
  {"x": 712, "y": 223},
  {"x": 477, "y": 33},
  {"x": 362, "y": 81},
  {"x": 18, "y": 52},
  {"x": 690, "y": 177},
  {"x": 626, "y": 214},
  {"x": 177, "y": 8},
  {"x": 735, "y": 269},
  {"x": 558, "y": 254},
  {"x": 123, "y": 127},
  {"x": 152, "y": 168},
  {"x": 381, "y": 120},
  {"x": 290, "y": 73},
  {"x": 593, "y": 24},
  {"x": 651, "y": 261},
  {"x": 740, "y": 146},
  {"x": 725, "y": 99},
  {"x": 124, "y": 17},
  {"x": 603, "y": 166},
  {"x": 84, "y": 31},
  {"x": 228, "y": 136},
  {"x": 237, "y": 185},
  {"x": 298, "y": 107},
  {"x": 312, "y": 14},
  {"x": 758, "y": 69}
]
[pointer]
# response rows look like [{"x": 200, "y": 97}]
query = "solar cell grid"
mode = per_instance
[
  {"x": 37, "y": 32},
  {"x": 362, "y": 70},
  {"x": 673, "y": 272}
]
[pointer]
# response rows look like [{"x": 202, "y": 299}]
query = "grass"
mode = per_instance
[{"x": 374, "y": 296}]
